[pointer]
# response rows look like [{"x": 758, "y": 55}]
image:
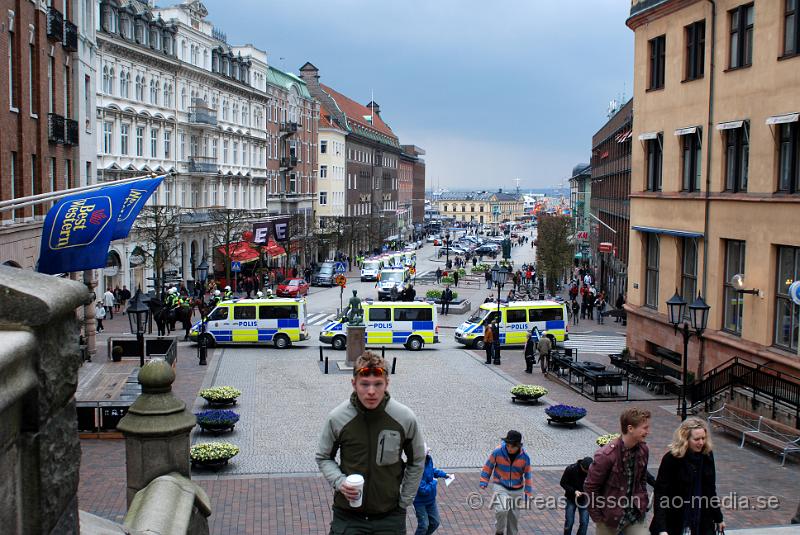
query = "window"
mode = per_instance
[
  {"x": 741, "y": 43},
  {"x": 108, "y": 130},
  {"x": 732, "y": 300},
  {"x": 51, "y": 85},
  {"x": 379, "y": 314},
  {"x": 657, "y": 59},
  {"x": 167, "y": 144},
  {"x": 695, "y": 50},
  {"x": 32, "y": 80},
  {"x": 12, "y": 94},
  {"x": 691, "y": 160},
  {"x": 323, "y": 197},
  {"x": 139, "y": 141},
  {"x": 225, "y": 151},
  {"x": 516, "y": 316},
  {"x": 413, "y": 314},
  {"x": 737, "y": 155},
  {"x": 241, "y": 312},
  {"x": 651, "y": 276},
  {"x": 545, "y": 314},
  {"x": 791, "y": 29},
  {"x": 52, "y": 174},
  {"x": 787, "y": 314},
  {"x": 789, "y": 149},
  {"x": 220, "y": 313},
  {"x": 654, "y": 161},
  {"x": 323, "y": 146},
  {"x": 140, "y": 88},
  {"x": 123, "y": 138},
  {"x": 689, "y": 271},
  {"x": 153, "y": 142},
  {"x": 323, "y": 171},
  {"x": 283, "y": 312},
  {"x": 235, "y": 153},
  {"x": 124, "y": 84}
]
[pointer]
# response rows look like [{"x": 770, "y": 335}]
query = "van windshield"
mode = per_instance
[
  {"x": 392, "y": 276},
  {"x": 371, "y": 264},
  {"x": 479, "y": 316}
]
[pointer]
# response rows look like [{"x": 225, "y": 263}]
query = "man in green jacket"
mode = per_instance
[{"x": 371, "y": 432}]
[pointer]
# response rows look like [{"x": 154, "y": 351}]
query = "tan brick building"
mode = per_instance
[{"x": 716, "y": 178}]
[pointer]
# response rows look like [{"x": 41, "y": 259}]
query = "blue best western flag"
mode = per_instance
[{"x": 79, "y": 228}]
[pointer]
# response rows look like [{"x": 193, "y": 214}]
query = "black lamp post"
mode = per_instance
[
  {"x": 202, "y": 275},
  {"x": 138, "y": 316},
  {"x": 698, "y": 315},
  {"x": 499, "y": 277},
  {"x": 447, "y": 249}
]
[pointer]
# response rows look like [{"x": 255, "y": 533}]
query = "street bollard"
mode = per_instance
[
  {"x": 320, "y": 353},
  {"x": 326, "y": 365},
  {"x": 201, "y": 350},
  {"x": 394, "y": 364},
  {"x": 383, "y": 352}
]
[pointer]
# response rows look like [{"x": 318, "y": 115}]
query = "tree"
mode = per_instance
[
  {"x": 158, "y": 228},
  {"x": 553, "y": 252},
  {"x": 227, "y": 226}
]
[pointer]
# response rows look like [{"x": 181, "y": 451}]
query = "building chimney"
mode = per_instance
[{"x": 310, "y": 75}]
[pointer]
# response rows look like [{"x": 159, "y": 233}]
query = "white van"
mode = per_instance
[{"x": 371, "y": 268}]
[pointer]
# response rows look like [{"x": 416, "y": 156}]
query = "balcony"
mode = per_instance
[
  {"x": 289, "y": 163},
  {"x": 70, "y": 41},
  {"x": 202, "y": 115},
  {"x": 289, "y": 128},
  {"x": 55, "y": 128},
  {"x": 203, "y": 164},
  {"x": 55, "y": 24},
  {"x": 72, "y": 132}
]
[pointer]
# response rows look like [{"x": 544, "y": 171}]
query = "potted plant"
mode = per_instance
[
  {"x": 116, "y": 353},
  {"x": 602, "y": 440},
  {"x": 220, "y": 395},
  {"x": 217, "y": 421},
  {"x": 527, "y": 393},
  {"x": 212, "y": 454},
  {"x": 564, "y": 414},
  {"x": 447, "y": 279}
]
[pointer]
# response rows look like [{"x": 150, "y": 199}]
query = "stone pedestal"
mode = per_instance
[
  {"x": 156, "y": 430},
  {"x": 356, "y": 342}
]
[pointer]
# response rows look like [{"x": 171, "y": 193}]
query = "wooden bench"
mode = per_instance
[
  {"x": 775, "y": 435},
  {"x": 735, "y": 420}
]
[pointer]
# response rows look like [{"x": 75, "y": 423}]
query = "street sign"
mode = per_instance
[
  {"x": 339, "y": 267},
  {"x": 582, "y": 235},
  {"x": 794, "y": 292},
  {"x": 236, "y": 267},
  {"x": 605, "y": 247}
]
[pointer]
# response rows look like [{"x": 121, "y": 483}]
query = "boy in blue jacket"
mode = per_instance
[{"x": 425, "y": 501}]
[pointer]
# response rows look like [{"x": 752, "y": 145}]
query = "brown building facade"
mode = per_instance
[
  {"x": 39, "y": 147},
  {"x": 611, "y": 185},
  {"x": 716, "y": 179}
]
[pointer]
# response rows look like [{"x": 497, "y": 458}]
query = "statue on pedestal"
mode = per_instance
[{"x": 355, "y": 313}]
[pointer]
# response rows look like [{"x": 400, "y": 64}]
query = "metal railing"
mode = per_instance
[
  {"x": 289, "y": 128},
  {"x": 55, "y": 128},
  {"x": 202, "y": 115},
  {"x": 289, "y": 162},
  {"x": 55, "y": 24},
  {"x": 72, "y": 132},
  {"x": 203, "y": 164},
  {"x": 70, "y": 41}
]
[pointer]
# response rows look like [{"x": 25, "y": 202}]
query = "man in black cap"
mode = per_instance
[
  {"x": 572, "y": 483},
  {"x": 511, "y": 467}
]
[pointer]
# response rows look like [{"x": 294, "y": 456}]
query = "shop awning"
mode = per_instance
[
  {"x": 669, "y": 232},
  {"x": 244, "y": 252}
]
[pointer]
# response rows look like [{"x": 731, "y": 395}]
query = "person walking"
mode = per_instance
[
  {"x": 509, "y": 469},
  {"x": 372, "y": 433},
  {"x": 685, "y": 495},
  {"x": 447, "y": 296},
  {"x": 496, "y": 343},
  {"x": 576, "y": 312},
  {"x": 438, "y": 275},
  {"x": 108, "y": 303},
  {"x": 601, "y": 307},
  {"x": 99, "y": 315},
  {"x": 488, "y": 278},
  {"x": 488, "y": 342},
  {"x": 125, "y": 294},
  {"x": 544, "y": 347},
  {"x": 572, "y": 482},
  {"x": 617, "y": 478},
  {"x": 425, "y": 502},
  {"x": 529, "y": 353},
  {"x": 618, "y": 305},
  {"x": 455, "y": 278}
]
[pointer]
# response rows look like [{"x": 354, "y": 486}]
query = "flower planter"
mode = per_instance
[
  {"x": 221, "y": 402},
  {"x": 527, "y": 393},
  {"x": 564, "y": 414},
  {"x": 220, "y": 395},
  {"x": 212, "y": 454},
  {"x": 215, "y": 464},
  {"x": 217, "y": 429},
  {"x": 525, "y": 398},
  {"x": 563, "y": 420}
]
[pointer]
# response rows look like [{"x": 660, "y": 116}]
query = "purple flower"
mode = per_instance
[
  {"x": 565, "y": 411},
  {"x": 217, "y": 417}
]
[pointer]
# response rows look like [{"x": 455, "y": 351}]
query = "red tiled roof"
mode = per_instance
[
  {"x": 356, "y": 112},
  {"x": 325, "y": 117}
]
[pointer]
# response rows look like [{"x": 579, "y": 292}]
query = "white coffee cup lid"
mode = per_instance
[{"x": 355, "y": 479}]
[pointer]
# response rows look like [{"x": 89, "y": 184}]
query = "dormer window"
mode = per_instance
[{"x": 139, "y": 32}]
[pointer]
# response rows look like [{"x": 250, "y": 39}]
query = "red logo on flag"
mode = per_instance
[{"x": 98, "y": 216}]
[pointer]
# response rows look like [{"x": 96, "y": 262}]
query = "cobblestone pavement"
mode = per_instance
[{"x": 299, "y": 503}]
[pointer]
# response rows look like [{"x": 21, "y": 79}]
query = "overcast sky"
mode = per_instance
[{"x": 492, "y": 91}]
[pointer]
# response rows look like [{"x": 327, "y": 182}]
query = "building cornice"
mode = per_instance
[{"x": 646, "y": 11}]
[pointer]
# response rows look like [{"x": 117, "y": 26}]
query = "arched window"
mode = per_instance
[
  {"x": 140, "y": 88},
  {"x": 235, "y": 113},
  {"x": 106, "y": 80},
  {"x": 166, "y": 95},
  {"x": 183, "y": 98},
  {"x": 153, "y": 92}
]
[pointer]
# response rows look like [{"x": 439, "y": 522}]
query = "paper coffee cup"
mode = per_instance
[{"x": 357, "y": 481}]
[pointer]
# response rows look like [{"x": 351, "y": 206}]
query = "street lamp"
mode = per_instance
[
  {"x": 698, "y": 315},
  {"x": 138, "y": 316},
  {"x": 447, "y": 249},
  {"x": 499, "y": 277},
  {"x": 202, "y": 275}
]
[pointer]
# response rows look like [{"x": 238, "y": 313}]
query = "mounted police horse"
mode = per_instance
[{"x": 166, "y": 317}]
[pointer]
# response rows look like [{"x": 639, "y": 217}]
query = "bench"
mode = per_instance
[
  {"x": 736, "y": 420},
  {"x": 775, "y": 435}
]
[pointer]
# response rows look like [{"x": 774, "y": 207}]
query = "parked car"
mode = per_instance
[
  {"x": 486, "y": 250},
  {"x": 453, "y": 251},
  {"x": 323, "y": 276},
  {"x": 292, "y": 288},
  {"x": 433, "y": 237}
]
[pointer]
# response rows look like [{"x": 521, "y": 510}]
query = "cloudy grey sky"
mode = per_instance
[{"x": 493, "y": 91}]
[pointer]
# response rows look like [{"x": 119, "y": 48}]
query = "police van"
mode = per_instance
[
  {"x": 410, "y": 259},
  {"x": 411, "y": 324},
  {"x": 255, "y": 321},
  {"x": 518, "y": 318},
  {"x": 393, "y": 277},
  {"x": 371, "y": 268}
]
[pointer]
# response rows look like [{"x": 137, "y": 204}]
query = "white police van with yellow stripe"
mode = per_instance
[
  {"x": 411, "y": 324},
  {"x": 255, "y": 321},
  {"x": 518, "y": 318}
]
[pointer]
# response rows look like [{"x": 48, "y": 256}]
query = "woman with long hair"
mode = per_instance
[{"x": 685, "y": 498}]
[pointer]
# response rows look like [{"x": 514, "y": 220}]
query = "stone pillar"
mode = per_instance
[
  {"x": 156, "y": 430},
  {"x": 356, "y": 342}
]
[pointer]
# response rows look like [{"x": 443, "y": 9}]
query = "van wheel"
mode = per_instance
[
  {"x": 209, "y": 340},
  {"x": 478, "y": 343},
  {"x": 339, "y": 342},
  {"x": 281, "y": 341},
  {"x": 414, "y": 343}
]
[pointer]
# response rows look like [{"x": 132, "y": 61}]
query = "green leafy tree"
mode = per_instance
[{"x": 553, "y": 252}]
